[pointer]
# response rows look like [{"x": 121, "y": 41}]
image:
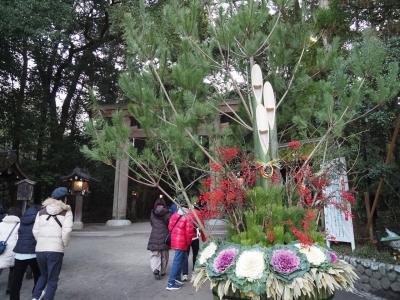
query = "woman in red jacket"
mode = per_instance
[{"x": 182, "y": 232}]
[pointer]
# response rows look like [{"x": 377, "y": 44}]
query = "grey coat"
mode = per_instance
[{"x": 159, "y": 228}]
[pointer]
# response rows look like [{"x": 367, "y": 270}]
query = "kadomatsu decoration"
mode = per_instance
[{"x": 281, "y": 272}]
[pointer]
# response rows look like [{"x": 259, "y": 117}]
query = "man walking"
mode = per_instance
[{"x": 52, "y": 229}]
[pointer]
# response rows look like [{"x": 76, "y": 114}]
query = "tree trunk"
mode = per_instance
[
  {"x": 20, "y": 100},
  {"x": 75, "y": 110},
  {"x": 369, "y": 216},
  {"x": 65, "y": 110}
]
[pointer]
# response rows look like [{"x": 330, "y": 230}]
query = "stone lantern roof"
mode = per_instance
[{"x": 81, "y": 173}]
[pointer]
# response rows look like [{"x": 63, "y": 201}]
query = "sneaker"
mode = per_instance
[
  {"x": 157, "y": 275},
  {"x": 184, "y": 277},
  {"x": 173, "y": 287},
  {"x": 178, "y": 283}
]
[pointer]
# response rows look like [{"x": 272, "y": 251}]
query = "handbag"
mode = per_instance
[
  {"x": 3, "y": 244},
  {"x": 168, "y": 237}
]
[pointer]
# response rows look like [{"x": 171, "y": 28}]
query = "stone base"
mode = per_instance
[
  {"x": 77, "y": 226},
  {"x": 118, "y": 223},
  {"x": 377, "y": 278}
]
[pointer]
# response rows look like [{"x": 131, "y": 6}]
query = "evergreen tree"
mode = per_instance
[
  {"x": 187, "y": 59},
  {"x": 51, "y": 54}
]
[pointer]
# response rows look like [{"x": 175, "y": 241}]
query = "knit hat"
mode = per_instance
[{"x": 59, "y": 193}]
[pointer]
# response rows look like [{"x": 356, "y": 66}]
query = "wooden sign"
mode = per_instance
[
  {"x": 338, "y": 224},
  {"x": 25, "y": 190}
]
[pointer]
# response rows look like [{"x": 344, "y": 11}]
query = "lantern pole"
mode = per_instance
[
  {"x": 78, "y": 211},
  {"x": 79, "y": 180}
]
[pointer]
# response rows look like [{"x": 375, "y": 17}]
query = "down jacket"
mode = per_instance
[
  {"x": 7, "y": 258},
  {"x": 50, "y": 236},
  {"x": 159, "y": 227},
  {"x": 26, "y": 241},
  {"x": 182, "y": 233}
]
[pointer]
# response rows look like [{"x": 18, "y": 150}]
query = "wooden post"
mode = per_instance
[
  {"x": 369, "y": 216},
  {"x": 120, "y": 194},
  {"x": 78, "y": 211},
  {"x": 121, "y": 188}
]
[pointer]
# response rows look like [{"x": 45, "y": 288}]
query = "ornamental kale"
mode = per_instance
[{"x": 285, "y": 261}]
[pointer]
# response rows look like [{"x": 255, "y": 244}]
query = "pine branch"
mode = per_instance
[
  {"x": 197, "y": 168},
  {"x": 217, "y": 64},
  {"x": 269, "y": 35},
  {"x": 163, "y": 87},
  {"x": 238, "y": 120},
  {"x": 291, "y": 79},
  {"x": 240, "y": 94},
  {"x": 134, "y": 179},
  {"x": 190, "y": 205},
  {"x": 226, "y": 68}
]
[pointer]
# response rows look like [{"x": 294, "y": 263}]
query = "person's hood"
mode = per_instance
[
  {"x": 10, "y": 219},
  {"x": 30, "y": 215},
  {"x": 160, "y": 210},
  {"x": 54, "y": 206}
]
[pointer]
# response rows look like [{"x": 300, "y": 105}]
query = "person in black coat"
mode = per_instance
[
  {"x": 159, "y": 230},
  {"x": 25, "y": 252}
]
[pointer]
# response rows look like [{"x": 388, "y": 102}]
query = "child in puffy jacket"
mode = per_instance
[{"x": 182, "y": 232}]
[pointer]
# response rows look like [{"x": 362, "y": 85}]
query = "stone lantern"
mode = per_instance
[{"x": 79, "y": 180}]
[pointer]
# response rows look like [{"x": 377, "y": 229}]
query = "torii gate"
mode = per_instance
[{"x": 121, "y": 166}]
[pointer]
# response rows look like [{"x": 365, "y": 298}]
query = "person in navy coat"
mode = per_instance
[{"x": 25, "y": 252}]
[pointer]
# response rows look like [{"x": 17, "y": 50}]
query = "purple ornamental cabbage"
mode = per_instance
[
  {"x": 224, "y": 259},
  {"x": 333, "y": 257},
  {"x": 285, "y": 261}
]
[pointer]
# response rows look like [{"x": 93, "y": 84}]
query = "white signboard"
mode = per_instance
[{"x": 338, "y": 225}]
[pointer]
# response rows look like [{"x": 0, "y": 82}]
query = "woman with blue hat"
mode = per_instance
[{"x": 52, "y": 230}]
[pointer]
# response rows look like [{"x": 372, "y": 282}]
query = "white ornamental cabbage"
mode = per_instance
[
  {"x": 207, "y": 253},
  {"x": 250, "y": 265},
  {"x": 315, "y": 255}
]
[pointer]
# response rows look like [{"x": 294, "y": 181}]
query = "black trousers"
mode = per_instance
[
  {"x": 195, "y": 249},
  {"x": 18, "y": 275}
]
